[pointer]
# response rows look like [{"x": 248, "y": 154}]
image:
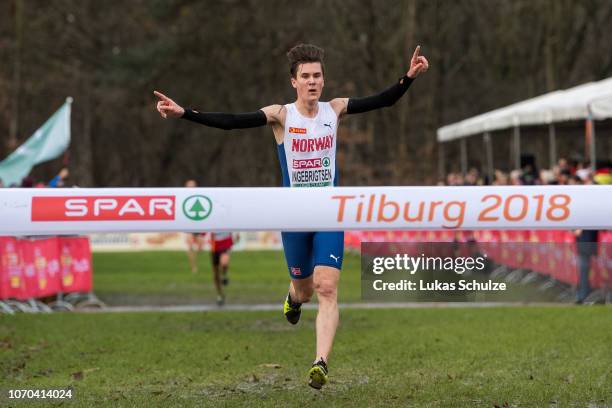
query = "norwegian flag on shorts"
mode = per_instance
[{"x": 296, "y": 271}]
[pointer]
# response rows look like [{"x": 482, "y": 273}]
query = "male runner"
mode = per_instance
[
  {"x": 195, "y": 240},
  {"x": 305, "y": 133},
  {"x": 220, "y": 245}
]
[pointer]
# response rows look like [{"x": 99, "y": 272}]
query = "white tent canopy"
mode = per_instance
[
  {"x": 601, "y": 108},
  {"x": 558, "y": 106}
]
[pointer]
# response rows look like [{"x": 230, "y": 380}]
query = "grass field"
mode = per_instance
[
  {"x": 164, "y": 278},
  {"x": 427, "y": 357}
]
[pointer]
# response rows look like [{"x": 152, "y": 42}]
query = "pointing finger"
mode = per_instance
[
  {"x": 416, "y": 52},
  {"x": 161, "y": 96}
]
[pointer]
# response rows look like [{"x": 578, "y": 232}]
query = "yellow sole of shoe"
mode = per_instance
[{"x": 317, "y": 378}]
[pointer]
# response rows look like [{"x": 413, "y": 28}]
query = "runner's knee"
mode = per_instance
[
  {"x": 224, "y": 260},
  {"x": 326, "y": 288}
]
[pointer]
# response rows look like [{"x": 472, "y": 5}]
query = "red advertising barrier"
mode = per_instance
[
  {"x": 75, "y": 264},
  {"x": 12, "y": 283},
  {"x": 602, "y": 264},
  {"x": 35, "y": 268},
  {"x": 41, "y": 267}
]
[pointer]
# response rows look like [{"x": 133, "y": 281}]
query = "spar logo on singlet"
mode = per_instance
[
  {"x": 300, "y": 131},
  {"x": 197, "y": 207},
  {"x": 315, "y": 163},
  {"x": 311, "y": 172},
  {"x": 312, "y": 145}
]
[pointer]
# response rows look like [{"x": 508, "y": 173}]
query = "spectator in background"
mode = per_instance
[
  {"x": 450, "y": 179},
  {"x": 27, "y": 182},
  {"x": 564, "y": 176},
  {"x": 583, "y": 170},
  {"x": 58, "y": 181},
  {"x": 515, "y": 178},
  {"x": 560, "y": 174},
  {"x": 1, "y": 183},
  {"x": 563, "y": 164},
  {"x": 472, "y": 178},
  {"x": 455, "y": 179},
  {"x": 586, "y": 247},
  {"x": 529, "y": 175},
  {"x": 501, "y": 178},
  {"x": 547, "y": 177}
]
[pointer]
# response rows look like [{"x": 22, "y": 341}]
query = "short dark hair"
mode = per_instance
[{"x": 303, "y": 53}]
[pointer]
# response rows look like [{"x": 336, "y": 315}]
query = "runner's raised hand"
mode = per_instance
[
  {"x": 418, "y": 64},
  {"x": 167, "y": 107}
]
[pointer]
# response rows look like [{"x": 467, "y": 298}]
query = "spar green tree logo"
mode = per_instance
[
  {"x": 326, "y": 162},
  {"x": 197, "y": 207}
]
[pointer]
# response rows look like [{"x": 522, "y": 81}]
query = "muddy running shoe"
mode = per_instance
[
  {"x": 318, "y": 374},
  {"x": 292, "y": 310}
]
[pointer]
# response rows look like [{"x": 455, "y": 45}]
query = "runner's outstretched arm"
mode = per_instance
[
  {"x": 386, "y": 98},
  {"x": 167, "y": 108}
]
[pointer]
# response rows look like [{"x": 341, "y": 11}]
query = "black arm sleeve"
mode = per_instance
[
  {"x": 227, "y": 121},
  {"x": 384, "y": 99}
]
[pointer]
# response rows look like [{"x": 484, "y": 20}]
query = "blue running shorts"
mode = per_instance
[{"x": 305, "y": 250}]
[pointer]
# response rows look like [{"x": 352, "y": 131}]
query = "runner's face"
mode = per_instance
[{"x": 308, "y": 81}]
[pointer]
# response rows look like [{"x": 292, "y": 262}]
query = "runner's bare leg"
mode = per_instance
[{"x": 325, "y": 283}]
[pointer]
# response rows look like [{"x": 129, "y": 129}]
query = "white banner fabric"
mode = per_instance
[{"x": 98, "y": 210}]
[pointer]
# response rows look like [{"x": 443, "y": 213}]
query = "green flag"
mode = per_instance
[{"x": 47, "y": 143}]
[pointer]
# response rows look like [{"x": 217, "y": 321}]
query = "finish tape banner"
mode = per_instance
[{"x": 78, "y": 211}]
